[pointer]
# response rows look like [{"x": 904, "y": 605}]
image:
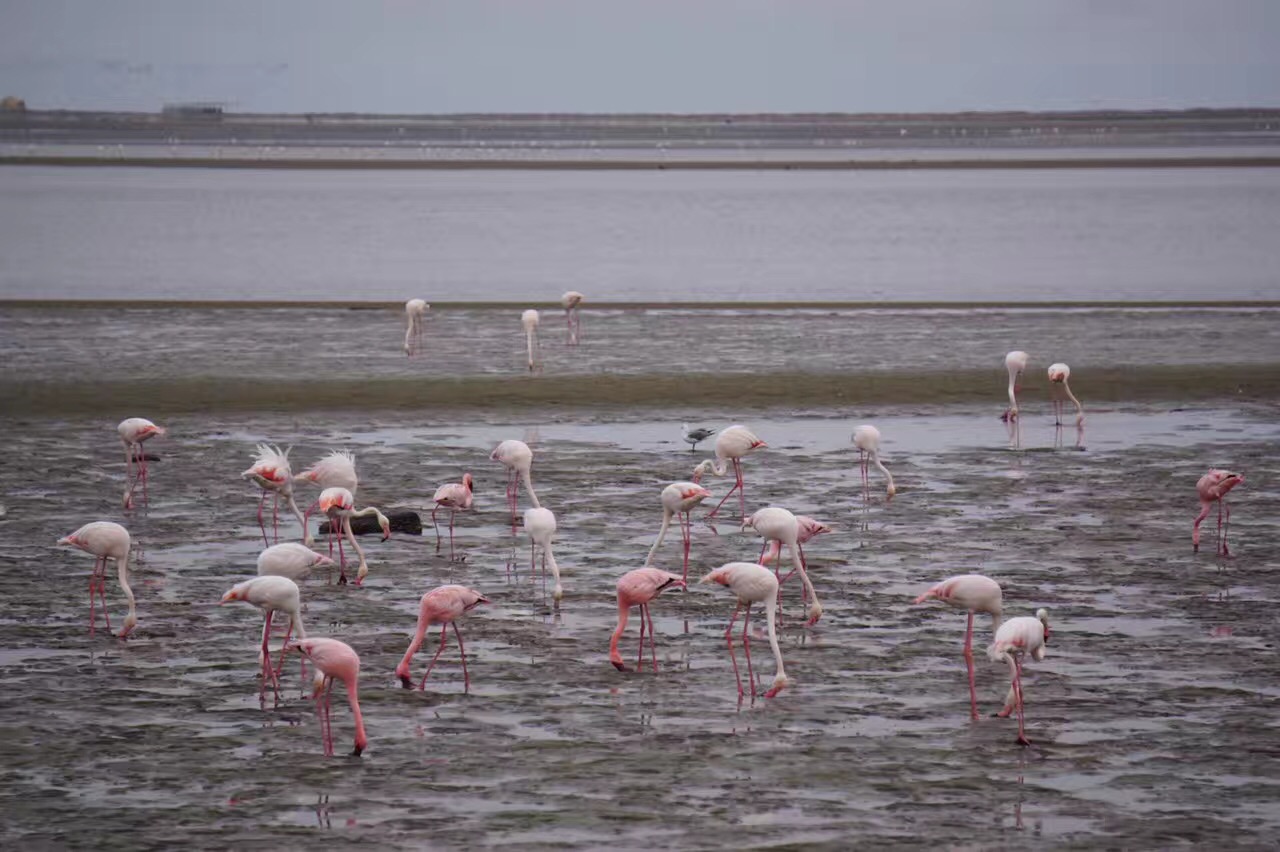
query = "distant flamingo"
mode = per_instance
[
  {"x": 339, "y": 505},
  {"x": 335, "y": 659},
  {"x": 335, "y": 470},
  {"x": 975, "y": 593},
  {"x": 678, "y": 498},
  {"x": 1016, "y": 637},
  {"x": 731, "y": 445},
  {"x": 1016, "y": 363},
  {"x": 638, "y": 588},
  {"x": 540, "y": 524},
  {"x": 751, "y": 584},
  {"x": 444, "y": 606},
  {"x": 289, "y": 559},
  {"x": 133, "y": 431},
  {"x": 529, "y": 319},
  {"x": 414, "y": 309},
  {"x": 1058, "y": 375},
  {"x": 867, "y": 439},
  {"x": 106, "y": 540},
  {"x": 808, "y": 528},
  {"x": 570, "y": 301},
  {"x": 456, "y": 497},
  {"x": 777, "y": 524},
  {"x": 693, "y": 437},
  {"x": 271, "y": 594},
  {"x": 271, "y": 472},
  {"x": 1213, "y": 488},
  {"x": 517, "y": 458}
]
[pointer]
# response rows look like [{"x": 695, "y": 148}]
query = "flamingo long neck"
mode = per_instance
[
  {"x": 624, "y": 612},
  {"x": 368, "y": 510},
  {"x": 1013, "y": 386},
  {"x": 772, "y": 552},
  {"x": 996, "y": 620},
  {"x": 528, "y": 486},
  {"x": 414, "y": 644},
  {"x": 353, "y": 698},
  {"x": 122, "y": 572},
  {"x": 302, "y": 521},
  {"x": 770, "y": 614},
  {"x": 1079, "y": 408},
  {"x": 719, "y": 466},
  {"x": 295, "y": 621},
  {"x": 351, "y": 536},
  {"x": 662, "y": 533},
  {"x": 531, "y": 337},
  {"x": 555, "y": 569},
  {"x": 875, "y": 460},
  {"x": 797, "y": 565},
  {"x": 408, "y": 335}
]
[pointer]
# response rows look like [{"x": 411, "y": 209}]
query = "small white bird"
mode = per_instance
[{"x": 694, "y": 436}]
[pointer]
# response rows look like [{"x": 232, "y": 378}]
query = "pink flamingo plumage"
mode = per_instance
[
  {"x": 272, "y": 473},
  {"x": 777, "y": 524},
  {"x": 290, "y": 559},
  {"x": 1058, "y": 375},
  {"x": 334, "y": 659},
  {"x": 638, "y": 588},
  {"x": 731, "y": 445},
  {"x": 1015, "y": 638},
  {"x": 1015, "y": 363},
  {"x": 808, "y": 528},
  {"x": 974, "y": 593},
  {"x": 456, "y": 497},
  {"x": 1213, "y": 488},
  {"x": 678, "y": 498},
  {"x": 570, "y": 302},
  {"x": 271, "y": 594},
  {"x": 517, "y": 458},
  {"x": 751, "y": 584},
  {"x": 133, "y": 432},
  {"x": 106, "y": 540},
  {"x": 339, "y": 505},
  {"x": 443, "y": 606}
]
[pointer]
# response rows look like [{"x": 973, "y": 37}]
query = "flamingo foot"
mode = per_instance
[
  {"x": 619, "y": 666},
  {"x": 406, "y": 682},
  {"x": 1023, "y": 741}
]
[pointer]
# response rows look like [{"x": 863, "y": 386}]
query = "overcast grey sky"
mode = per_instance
[{"x": 641, "y": 55}]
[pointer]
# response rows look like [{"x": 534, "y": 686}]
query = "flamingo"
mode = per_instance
[
  {"x": 570, "y": 301},
  {"x": 443, "y": 606},
  {"x": 678, "y": 498},
  {"x": 133, "y": 431},
  {"x": 540, "y": 524},
  {"x": 638, "y": 588},
  {"x": 693, "y": 437},
  {"x": 289, "y": 559},
  {"x": 271, "y": 594},
  {"x": 271, "y": 473},
  {"x": 731, "y": 445},
  {"x": 1016, "y": 363},
  {"x": 808, "y": 528},
  {"x": 1016, "y": 637},
  {"x": 975, "y": 593},
  {"x": 339, "y": 505},
  {"x": 456, "y": 497},
  {"x": 414, "y": 309},
  {"x": 1058, "y": 375},
  {"x": 335, "y": 470},
  {"x": 777, "y": 524},
  {"x": 1213, "y": 488},
  {"x": 517, "y": 458},
  {"x": 529, "y": 319},
  {"x": 106, "y": 540},
  {"x": 751, "y": 584},
  {"x": 867, "y": 439},
  {"x": 335, "y": 659}
]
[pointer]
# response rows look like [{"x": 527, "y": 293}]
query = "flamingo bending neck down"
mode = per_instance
[
  {"x": 334, "y": 659},
  {"x": 529, "y": 319},
  {"x": 540, "y": 524},
  {"x": 517, "y": 458},
  {"x": 1016, "y": 364},
  {"x": 751, "y": 584},
  {"x": 1058, "y": 375},
  {"x": 133, "y": 431},
  {"x": 1015, "y": 638},
  {"x": 570, "y": 302},
  {"x": 731, "y": 445},
  {"x": 456, "y": 497},
  {"x": 339, "y": 505},
  {"x": 808, "y": 529},
  {"x": 335, "y": 470},
  {"x": 1212, "y": 488},
  {"x": 414, "y": 309},
  {"x": 444, "y": 606},
  {"x": 867, "y": 439},
  {"x": 678, "y": 498},
  {"x": 290, "y": 559},
  {"x": 272, "y": 473},
  {"x": 271, "y": 594},
  {"x": 106, "y": 540},
  {"x": 974, "y": 593},
  {"x": 639, "y": 588},
  {"x": 777, "y": 524}
]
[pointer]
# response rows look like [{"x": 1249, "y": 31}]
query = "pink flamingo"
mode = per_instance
[
  {"x": 289, "y": 559},
  {"x": 271, "y": 594},
  {"x": 339, "y": 505},
  {"x": 335, "y": 470},
  {"x": 1016, "y": 363},
  {"x": 133, "y": 431},
  {"x": 975, "y": 593},
  {"x": 1213, "y": 488},
  {"x": 570, "y": 301},
  {"x": 638, "y": 588},
  {"x": 529, "y": 319},
  {"x": 678, "y": 498},
  {"x": 517, "y": 458},
  {"x": 271, "y": 473},
  {"x": 751, "y": 584},
  {"x": 1058, "y": 375},
  {"x": 106, "y": 540},
  {"x": 335, "y": 659},
  {"x": 414, "y": 309},
  {"x": 456, "y": 497},
  {"x": 540, "y": 524},
  {"x": 808, "y": 529},
  {"x": 777, "y": 524},
  {"x": 443, "y": 606},
  {"x": 867, "y": 439},
  {"x": 731, "y": 445},
  {"x": 1016, "y": 637}
]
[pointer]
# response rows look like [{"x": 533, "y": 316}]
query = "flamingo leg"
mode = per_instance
[
  {"x": 1017, "y": 691},
  {"x": 653, "y": 650},
  {"x": 436, "y": 526},
  {"x": 640, "y": 655},
  {"x": 102, "y": 592},
  {"x": 864, "y": 462},
  {"x": 93, "y": 588},
  {"x": 142, "y": 468},
  {"x": 686, "y": 534},
  {"x": 746, "y": 647},
  {"x": 261, "y": 525},
  {"x": 268, "y": 672},
  {"x": 444, "y": 639},
  {"x": 742, "y": 491},
  {"x": 728, "y": 639},
  {"x": 288, "y": 631},
  {"x": 466, "y": 678},
  {"x": 512, "y": 498},
  {"x": 1225, "y": 525},
  {"x": 968, "y": 659},
  {"x": 452, "y": 515},
  {"x": 327, "y": 729},
  {"x": 275, "y": 518},
  {"x": 342, "y": 557},
  {"x": 713, "y": 512},
  {"x": 1195, "y": 527}
]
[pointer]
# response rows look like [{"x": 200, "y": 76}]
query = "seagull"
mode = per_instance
[{"x": 694, "y": 436}]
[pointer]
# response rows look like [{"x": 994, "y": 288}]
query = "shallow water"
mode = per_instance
[{"x": 1152, "y": 716}]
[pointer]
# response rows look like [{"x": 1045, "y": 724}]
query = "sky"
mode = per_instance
[{"x": 609, "y": 56}]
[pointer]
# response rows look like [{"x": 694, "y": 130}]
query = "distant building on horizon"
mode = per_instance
[{"x": 194, "y": 109}]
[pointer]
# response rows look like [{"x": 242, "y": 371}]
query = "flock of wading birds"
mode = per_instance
[{"x": 280, "y": 566}]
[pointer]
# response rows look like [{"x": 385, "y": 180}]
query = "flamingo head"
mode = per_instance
[
  {"x": 130, "y": 622},
  {"x": 385, "y": 525},
  {"x": 696, "y": 492},
  {"x": 474, "y": 599},
  {"x": 720, "y": 576},
  {"x": 362, "y": 742},
  {"x": 235, "y": 593},
  {"x": 890, "y": 491},
  {"x": 69, "y": 539},
  {"x": 467, "y": 483},
  {"x": 1043, "y": 615}
]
